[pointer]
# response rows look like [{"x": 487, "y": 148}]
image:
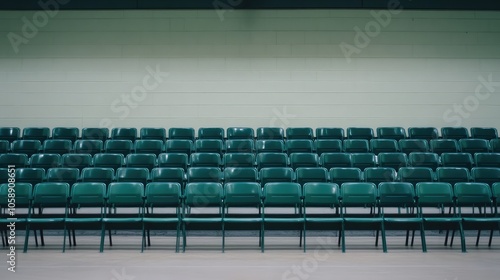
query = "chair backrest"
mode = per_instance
[
  {"x": 19, "y": 160},
  {"x": 63, "y": 174},
  {"x": 240, "y": 133},
  {"x": 270, "y": 146},
  {"x": 111, "y": 160},
  {"x": 124, "y": 147},
  {"x": 179, "y": 160},
  {"x": 95, "y": 133},
  {"x": 211, "y": 133},
  {"x": 487, "y": 175},
  {"x": 363, "y": 160},
  {"x": 165, "y": 174},
  {"x": 276, "y": 133},
  {"x": 359, "y": 194},
  {"x": 85, "y": 194},
  {"x": 36, "y": 133},
  {"x": 330, "y": 133},
  {"x": 125, "y": 194},
  {"x": 474, "y": 145},
  {"x": 328, "y": 146},
  {"x": 88, "y": 146},
  {"x": 360, "y": 133},
  {"x": 205, "y": 160},
  {"x": 321, "y": 194},
  {"x": 124, "y": 133},
  {"x": 430, "y": 160},
  {"x": 204, "y": 174},
  {"x": 486, "y": 133},
  {"x": 408, "y": 146},
  {"x": 50, "y": 194},
  {"x": 282, "y": 194},
  {"x": 426, "y": 133},
  {"x": 331, "y": 160},
  {"x": 434, "y": 194},
  {"x": 240, "y": 174},
  {"x": 298, "y": 160},
  {"x": 141, "y": 160},
  {"x": 28, "y": 147},
  {"x": 132, "y": 174},
  {"x": 395, "y": 133},
  {"x": 79, "y": 161},
  {"x": 393, "y": 160},
  {"x": 276, "y": 174},
  {"x": 97, "y": 174},
  {"x": 153, "y": 133},
  {"x": 265, "y": 160},
  {"x": 207, "y": 194},
  {"x": 209, "y": 146},
  {"x": 457, "y": 160},
  {"x": 10, "y": 133},
  {"x": 242, "y": 194},
  {"x": 440, "y": 146},
  {"x": 148, "y": 146},
  {"x": 452, "y": 175},
  {"x": 299, "y": 133},
  {"x": 356, "y": 146},
  {"x": 299, "y": 146},
  {"x": 181, "y": 133},
  {"x": 396, "y": 194},
  {"x": 163, "y": 194},
  {"x": 23, "y": 191},
  {"x": 384, "y": 146},
  {"x": 487, "y": 159},
  {"x": 378, "y": 175},
  {"x": 340, "y": 175},
  {"x": 45, "y": 161},
  {"x": 239, "y": 160},
  {"x": 415, "y": 175},
  {"x": 455, "y": 133},
  {"x": 240, "y": 146},
  {"x": 179, "y": 146},
  {"x": 57, "y": 146},
  {"x": 66, "y": 133},
  {"x": 311, "y": 174},
  {"x": 473, "y": 194}
]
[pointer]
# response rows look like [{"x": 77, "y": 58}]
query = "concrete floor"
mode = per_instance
[{"x": 282, "y": 260}]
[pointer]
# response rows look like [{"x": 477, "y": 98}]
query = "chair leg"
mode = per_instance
[
  {"x": 300, "y": 241},
  {"x": 407, "y": 237},
  {"x": 339, "y": 242},
  {"x": 412, "y": 238},
  {"x": 491, "y": 238},
  {"x": 478, "y": 236},
  {"x": 110, "y": 240},
  {"x": 376, "y": 238},
  {"x": 64, "y": 239},
  {"x": 343, "y": 237},
  {"x": 446, "y": 238},
  {"x": 422, "y": 237},
  {"x": 384, "y": 241},
  {"x": 42, "y": 240},
  {"x": 149, "y": 238},
  {"x": 304, "y": 237},
  {"x": 103, "y": 231},
  {"x": 74, "y": 237},
  {"x": 183, "y": 237},
  {"x": 143, "y": 239},
  {"x": 177, "y": 237},
  {"x": 452, "y": 238},
  {"x": 223, "y": 238},
  {"x": 263, "y": 233},
  {"x": 462, "y": 238},
  {"x": 36, "y": 238},
  {"x": 26, "y": 239}
]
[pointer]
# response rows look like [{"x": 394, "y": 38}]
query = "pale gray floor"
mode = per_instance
[{"x": 283, "y": 259}]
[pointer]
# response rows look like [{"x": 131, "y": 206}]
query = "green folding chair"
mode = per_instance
[
  {"x": 123, "y": 195},
  {"x": 282, "y": 195},
  {"x": 161, "y": 196},
  {"x": 321, "y": 195},
  {"x": 48, "y": 196},
  {"x": 86, "y": 206},
  {"x": 438, "y": 195}
]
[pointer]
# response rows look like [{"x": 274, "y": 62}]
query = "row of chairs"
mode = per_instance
[
  {"x": 337, "y": 175},
  {"x": 418, "y": 204},
  {"x": 262, "y": 160},
  {"x": 320, "y": 146},
  {"x": 397, "y": 133}
]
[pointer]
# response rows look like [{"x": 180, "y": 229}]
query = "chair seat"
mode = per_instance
[
  {"x": 284, "y": 220},
  {"x": 202, "y": 220},
  {"x": 324, "y": 220},
  {"x": 403, "y": 220},
  {"x": 122, "y": 220},
  {"x": 243, "y": 220},
  {"x": 483, "y": 220},
  {"x": 364, "y": 220},
  {"x": 83, "y": 220},
  {"x": 443, "y": 220},
  {"x": 45, "y": 220},
  {"x": 160, "y": 220}
]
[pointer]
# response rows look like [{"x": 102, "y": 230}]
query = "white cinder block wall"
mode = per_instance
[{"x": 250, "y": 68}]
